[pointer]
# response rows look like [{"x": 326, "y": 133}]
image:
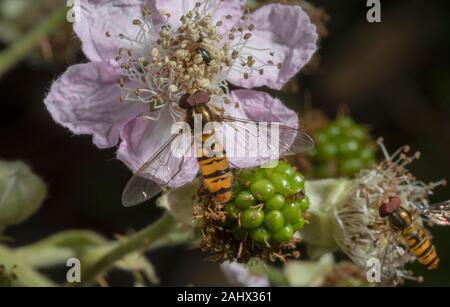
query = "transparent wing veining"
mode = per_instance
[
  {"x": 438, "y": 213},
  {"x": 267, "y": 139},
  {"x": 157, "y": 172}
]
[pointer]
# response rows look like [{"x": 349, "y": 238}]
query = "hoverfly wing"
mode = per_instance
[
  {"x": 273, "y": 138},
  {"x": 157, "y": 172},
  {"x": 138, "y": 190},
  {"x": 438, "y": 213}
]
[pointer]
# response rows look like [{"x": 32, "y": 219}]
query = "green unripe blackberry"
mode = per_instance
[
  {"x": 267, "y": 205},
  {"x": 343, "y": 148},
  {"x": 274, "y": 220},
  {"x": 291, "y": 212},
  {"x": 245, "y": 199},
  {"x": 300, "y": 223},
  {"x": 262, "y": 189},
  {"x": 260, "y": 235},
  {"x": 275, "y": 202},
  {"x": 284, "y": 168},
  {"x": 281, "y": 183},
  {"x": 252, "y": 218},
  {"x": 303, "y": 203},
  {"x": 232, "y": 211},
  {"x": 297, "y": 182},
  {"x": 249, "y": 176},
  {"x": 284, "y": 234}
]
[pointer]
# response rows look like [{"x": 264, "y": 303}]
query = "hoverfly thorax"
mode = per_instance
[
  {"x": 399, "y": 218},
  {"x": 196, "y": 106}
]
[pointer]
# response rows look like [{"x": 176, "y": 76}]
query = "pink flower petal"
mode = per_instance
[
  {"x": 218, "y": 10},
  {"x": 256, "y": 106},
  {"x": 288, "y": 32},
  {"x": 97, "y": 17},
  {"x": 85, "y": 99},
  {"x": 142, "y": 138}
]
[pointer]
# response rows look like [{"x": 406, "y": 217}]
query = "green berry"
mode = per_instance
[
  {"x": 249, "y": 176},
  {"x": 367, "y": 153},
  {"x": 231, "y": 211},
  {"x": 281, "y": 183},
  {"x": 322, "y": 137},
  {"x": 237, "y": 188},
  {"x": 252, "y": 218},
  {"x": 350, "y": 167},
  {"x": 284, "y": 234},
  {"x": 345, "y": 122},
  {"x": 297, "y": 182},
  {"x": 244, "y": 200},
  {"x": 299, "y": 225},
  {"x": 348, "y": 147},
  {"x": 339, "y": 145},
  {"x": 274, "y": 220},
  {"x": 303, "y": 203},
  {"x": 262, "y": 189},
  {"x": 260, "y": 235},
  {"x": 275, "y": 202},
  {"x": 291, "y": 212},
  {"x": 355, "y": 133},
  {"x": 284, "y": 168},
  {"x": 326, "y": 151},
  {"x": 333, "y": 130}
]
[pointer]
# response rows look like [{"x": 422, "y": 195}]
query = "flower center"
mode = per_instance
[{"x": 162, "y": 64}]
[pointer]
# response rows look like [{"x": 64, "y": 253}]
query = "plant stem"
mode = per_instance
[
  {"x": 139, "y": 241},
  {"x": 14, "y": 53}
]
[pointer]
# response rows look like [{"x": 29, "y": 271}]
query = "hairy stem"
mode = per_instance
[{"x": 141, "y": 240}]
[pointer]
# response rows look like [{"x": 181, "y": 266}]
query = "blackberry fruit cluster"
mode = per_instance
[
  {"x": 268, "y": 204},
  {"x": 343, "y": 148}
]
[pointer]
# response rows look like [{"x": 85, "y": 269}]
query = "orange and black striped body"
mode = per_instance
[
  {"x": 215, "y": 173},
  {"x": 417, "y": 240},
  {"x": 420, "y": 245}
]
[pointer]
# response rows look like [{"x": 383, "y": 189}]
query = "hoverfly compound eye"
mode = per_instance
[
  {"x": 201, "y": 97},
  {"x": 187, "y": 101},
  {"x": 205, "y": 55},
  {"x": 395, "y": 202},
  {"x": 387, "y": 209},
  {"x": 384, "y": 210}
]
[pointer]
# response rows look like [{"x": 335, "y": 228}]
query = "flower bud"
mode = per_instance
[{"x": 21, "y": 193}]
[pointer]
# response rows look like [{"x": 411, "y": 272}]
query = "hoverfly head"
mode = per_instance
[
  {"x": 390, "y": 207},
  {"x": 189, "y": 101}
]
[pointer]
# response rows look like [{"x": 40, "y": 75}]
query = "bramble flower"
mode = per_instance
[
  {"x": 345, "y": 214},
  {"x": 146, "y": 54}
]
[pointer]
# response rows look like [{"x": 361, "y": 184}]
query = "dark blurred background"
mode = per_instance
[{"x": 393, "y": 76}]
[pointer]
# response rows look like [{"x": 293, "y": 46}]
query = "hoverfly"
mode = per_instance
[
  {"x": 402, "y": 221},
  {"x": 214, "y": 166}
]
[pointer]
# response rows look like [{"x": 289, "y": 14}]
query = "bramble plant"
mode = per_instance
[{"x": 142, "y": 59}]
